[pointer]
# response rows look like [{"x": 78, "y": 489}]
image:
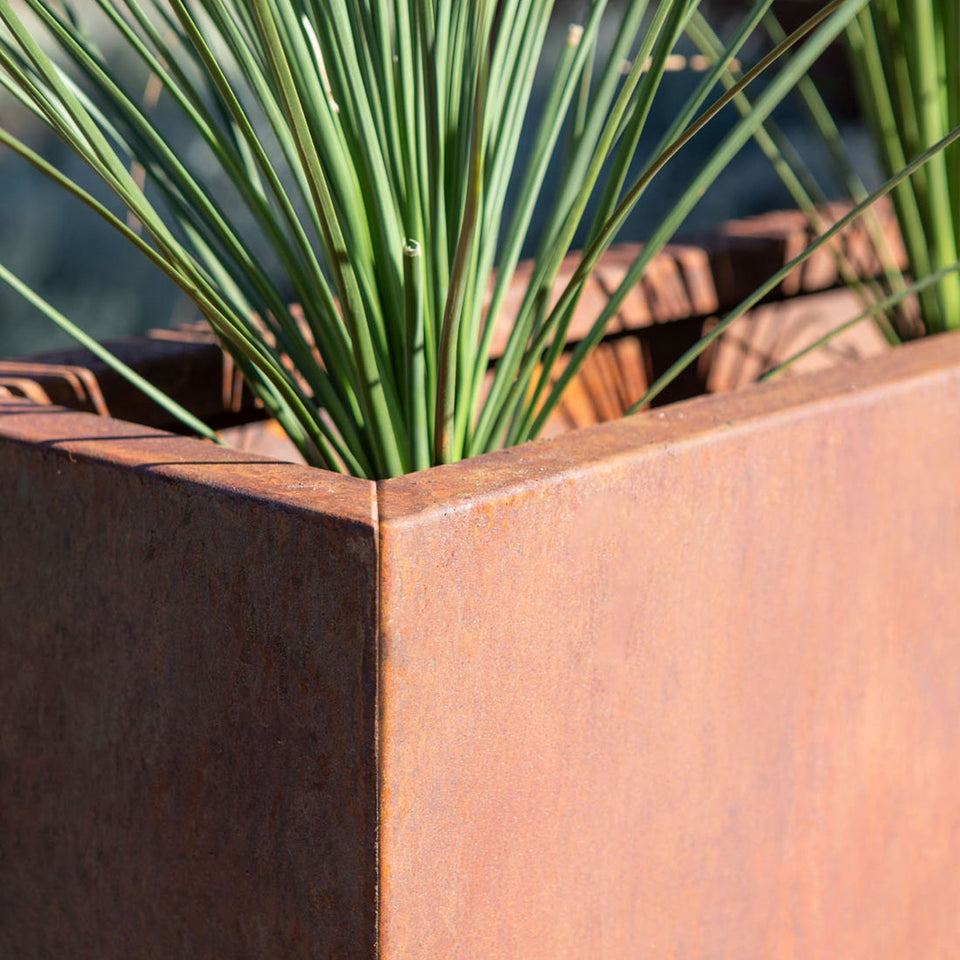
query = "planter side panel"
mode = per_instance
[
  {"x": 683, "y": 686},
  {"x": 187, "y": 639}
]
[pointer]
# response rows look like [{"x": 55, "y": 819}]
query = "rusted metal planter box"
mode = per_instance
[{"x": 684, "y": 685}]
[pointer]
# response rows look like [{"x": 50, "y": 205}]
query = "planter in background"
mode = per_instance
[
  {"x": 682, "y": 292},
  {"x": 680, "y": 685}
]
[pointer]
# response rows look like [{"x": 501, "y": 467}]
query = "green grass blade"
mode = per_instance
[
  {"x": 177, "y": 411},
  {"x": 694, "y": 352}
]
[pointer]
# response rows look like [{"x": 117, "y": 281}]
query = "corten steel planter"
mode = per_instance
[{"x": 682, "y": 685}]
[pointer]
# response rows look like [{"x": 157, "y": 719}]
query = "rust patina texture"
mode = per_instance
[
  {"x": 686, "y": 685},
  {"x": 187, "y": 698}
]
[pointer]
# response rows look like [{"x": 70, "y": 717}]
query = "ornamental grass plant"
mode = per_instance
[{"x": 355, "y": 157}]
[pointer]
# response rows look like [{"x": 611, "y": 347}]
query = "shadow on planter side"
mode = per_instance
[{"x": 187, "y": 640}]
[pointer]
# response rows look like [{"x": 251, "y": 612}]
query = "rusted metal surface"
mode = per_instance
[
  {"x": 263, "y": 437},
  {"x": 620, "y": 370},
  {"x": 746, "y": 252},
  {"x": 712, "y": 272},
  {"x": 685, "y": 685},
  {"x": 46, "y": 382},
  {"x": 187, "y": 364},
  {"x": 613, "y": 378},
  {"x": 777, "y": 332},
  {"x": 187, "y": 691}
]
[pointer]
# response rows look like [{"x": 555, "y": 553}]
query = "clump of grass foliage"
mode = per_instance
[
  {"x": 368, "y": 146},
  {"x": 906, "y": 55}
]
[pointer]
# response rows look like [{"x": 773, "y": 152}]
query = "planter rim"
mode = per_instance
[
  {"x": 556, "y": 459},
  {"x": 77, "y": 435},
  {"x": 695, "y": 277}
]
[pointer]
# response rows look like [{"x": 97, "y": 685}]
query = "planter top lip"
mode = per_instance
[
  {"x": 598, "y": 448},
  {"x": 84, "y": 437},
  {"x": 444, "y": 489}
]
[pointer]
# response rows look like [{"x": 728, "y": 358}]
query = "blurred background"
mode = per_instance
[{"x": 61, "y": 249}]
